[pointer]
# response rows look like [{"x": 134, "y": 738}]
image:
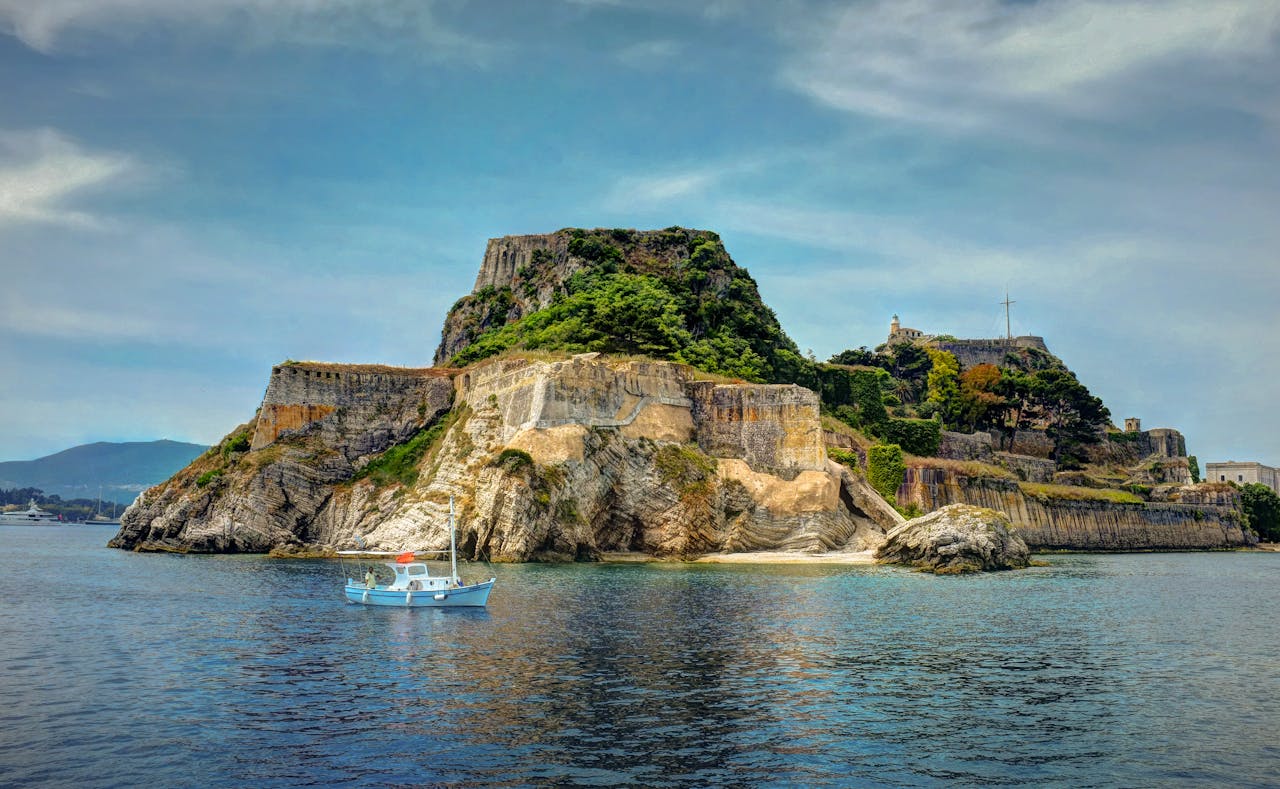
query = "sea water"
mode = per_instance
[{"x": 122, "y": 669}]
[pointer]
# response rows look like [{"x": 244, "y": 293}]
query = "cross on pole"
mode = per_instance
[{"x": 1007, "y": 326}]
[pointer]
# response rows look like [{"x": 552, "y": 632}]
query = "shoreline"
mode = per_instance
[{"x": 749, "y": 557}]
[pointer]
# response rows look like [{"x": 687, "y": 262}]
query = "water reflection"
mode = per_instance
[{"x": 233, "y": 671}]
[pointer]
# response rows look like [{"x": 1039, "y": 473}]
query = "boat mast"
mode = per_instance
[{"x": 453, "y": 544}]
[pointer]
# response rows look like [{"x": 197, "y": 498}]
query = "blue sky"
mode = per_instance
[{"x": 190, "y": 192}]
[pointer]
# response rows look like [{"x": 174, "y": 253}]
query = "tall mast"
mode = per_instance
[
  {"x": 453, "y": 544},
  {"x": 1008, "y": 329}
]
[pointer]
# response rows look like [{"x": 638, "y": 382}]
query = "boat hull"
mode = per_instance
[{"x": 473, "y": 596}]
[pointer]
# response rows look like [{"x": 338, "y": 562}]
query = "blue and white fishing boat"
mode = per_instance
[{"x": 412, "y": 585}]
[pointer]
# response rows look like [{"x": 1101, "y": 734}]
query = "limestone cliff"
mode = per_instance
[
  {"x": 560, "y": 459},
  {"x": 1188, "y": 517}
]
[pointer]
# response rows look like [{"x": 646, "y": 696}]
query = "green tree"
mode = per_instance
[
  {"x": 1071, "y": 414},
  {"x": 943, "y": 387},
  {"x": 1262, "y": 507},
  {"x": 1193, "y": 466}
]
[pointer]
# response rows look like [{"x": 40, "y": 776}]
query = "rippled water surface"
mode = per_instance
[{"x": 119, "y": 669}]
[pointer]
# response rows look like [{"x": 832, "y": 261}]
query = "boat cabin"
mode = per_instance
[{"x": 415, "y": 577}]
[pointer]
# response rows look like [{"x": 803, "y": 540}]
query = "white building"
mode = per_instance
[{"x": 1242, "y": 473}]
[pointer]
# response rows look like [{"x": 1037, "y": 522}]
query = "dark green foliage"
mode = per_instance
[
  {"x": 207, "y": 477},
  {"x": 859, "y": 357},
  {"x": 1193, "y": 466},
  {"x": 513, "y": 460},
  {"x": 855, "y": 397},
  {"x": 1262, "y": 508},
  {"x": 399, "y": 464},
  {"x": 237, "y": 443},
  {"x": 917, "y": 436},
  {"x": 698, "y": 308},
  {"x": 885, "y": 469},
  {"x": 846, "y": 457}
]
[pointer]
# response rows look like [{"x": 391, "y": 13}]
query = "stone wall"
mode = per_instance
[
  {"x": 974, "y": 352},
  {"x": 646, "y": 398},
  {"x": 1024, "y": 442},
  {"x": 1062, "y": 524},
  {"x": 966, "y": 446},
  {"x": 358, "y": 409},
  {"x": 774, "y": 428},
  {"x": 1030, "y": 469}
]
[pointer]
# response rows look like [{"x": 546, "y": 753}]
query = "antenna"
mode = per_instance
[{"x": 1008, "y": 330}]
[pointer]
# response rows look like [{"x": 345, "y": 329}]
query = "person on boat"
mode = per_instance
[{"x": 370, "y": 581}]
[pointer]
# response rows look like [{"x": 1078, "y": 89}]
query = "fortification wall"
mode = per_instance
[
  {"x": 357, "y": 410},
  {"x": 646, "y": 398},
  {"x": 775, "y": 427},
  {"x": 1062, "y": 524},
  {"x": 974, "y": 352}
]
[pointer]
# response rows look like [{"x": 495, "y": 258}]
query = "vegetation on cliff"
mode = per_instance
[
  {"x": 672, "y": 295},
  {"x": 1032, "y": 389},
  {"x": 1262, "y": 508}
]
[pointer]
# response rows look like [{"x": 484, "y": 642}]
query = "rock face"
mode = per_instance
[
  {"x": 546, "y": 460},
  {"x": 1185, "y": 518},
  {"x": 956, "y": 539}
]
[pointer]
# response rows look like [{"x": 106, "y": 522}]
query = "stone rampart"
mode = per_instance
[
  {"x": 965, "y": 446},
  {"x": 1086, "y": 525},
  {"x": 775, "y": 428},
  {"x": 974, "y": 352},
  {"x": 357, "y": 409},
  {"x": 1028, "y": 468},
  {"x": 586, "y": 390}
]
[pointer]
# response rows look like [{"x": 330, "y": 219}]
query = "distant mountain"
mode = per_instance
[{"x": 121, "y": 470}]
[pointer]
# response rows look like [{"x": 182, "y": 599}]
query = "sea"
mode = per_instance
[{"x": 123, "y": 669}]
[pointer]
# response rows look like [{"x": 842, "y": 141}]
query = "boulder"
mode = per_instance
[{"x": 959, "y": 538}]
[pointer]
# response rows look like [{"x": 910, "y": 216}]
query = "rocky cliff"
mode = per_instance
[
  {"x": 546, "y": 459},
  {"x": 1190, "y": 517}
]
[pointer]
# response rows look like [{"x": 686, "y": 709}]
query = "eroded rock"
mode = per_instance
[{"x": 956, "y": 539}]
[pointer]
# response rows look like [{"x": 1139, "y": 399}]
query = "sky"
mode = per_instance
[{"x": 193, "y": 191}]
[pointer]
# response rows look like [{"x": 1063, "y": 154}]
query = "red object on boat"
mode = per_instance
[{"x": 405, "y": 557}]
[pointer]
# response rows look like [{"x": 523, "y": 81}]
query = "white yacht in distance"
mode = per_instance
[{"x": 31, "y": 516}]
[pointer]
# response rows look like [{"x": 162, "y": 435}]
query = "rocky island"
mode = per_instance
[{"x": 609, "y": 391}]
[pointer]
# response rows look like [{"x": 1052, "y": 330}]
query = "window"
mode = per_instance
[
  {"x": 1239, "y": 478},
  {"x": 417, "y": 569}
]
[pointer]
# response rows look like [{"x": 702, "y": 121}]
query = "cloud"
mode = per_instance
[
  {"x": 989, "y": 63},
  {"x": 356, "y": 24},
  {"x": 42, "y": 172},
  {"x": 648, "y": 54}
]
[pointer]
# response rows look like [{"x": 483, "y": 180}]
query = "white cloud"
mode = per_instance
[
  {"x": 648, "y": 54},
  {"x": 987, "y": 63},
  {"x": 360, "y": 24},
  {"x": 42, "y": 173}
]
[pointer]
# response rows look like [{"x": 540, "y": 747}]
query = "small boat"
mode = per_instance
[
  {"x": 31, "y": 516},
  {"x": 412, "y": 585}
]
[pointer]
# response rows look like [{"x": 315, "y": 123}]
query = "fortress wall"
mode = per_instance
[
  {"x": 355, "y": 409},
  {"x": 974, "y": 352},
  {"x": 773, "y": 427},
  {"x": 584, "y": 390},
  {"x": 1063, "y": 524}
]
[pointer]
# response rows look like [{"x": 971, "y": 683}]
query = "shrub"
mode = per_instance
[
  {"x": 513, "y": 460},
  {"x": 207, "y": 477},
  {"x": 885, "y": 469},
  {"x": 917, "y": 436},
  {"x": 399, "y": 464},
  {"x": 845, "y": 457},
  {"x": 1262, "y": 507},
  {"x": 237, "y": 443}
]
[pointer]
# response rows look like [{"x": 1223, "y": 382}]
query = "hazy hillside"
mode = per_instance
[{"x": 120, "y": 469}]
